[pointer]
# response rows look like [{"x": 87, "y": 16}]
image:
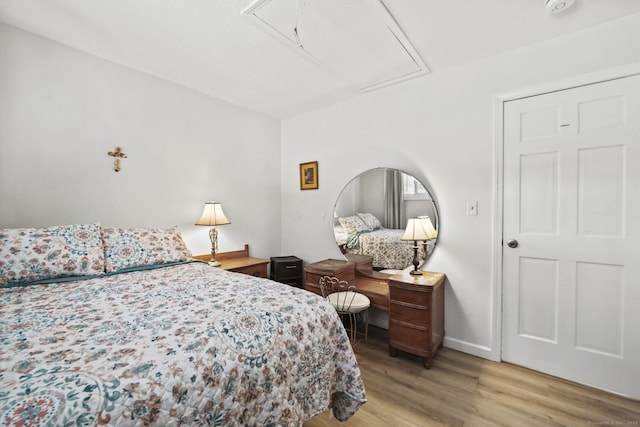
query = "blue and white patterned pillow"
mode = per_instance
[
  {"x": 134, "y": 247},
  {"x": 370, "y": 221},
  {"x": 31, "y": 254},
  {"x": 353, "y": 224}
]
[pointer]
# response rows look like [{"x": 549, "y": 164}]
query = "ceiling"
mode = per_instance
[{"x": 212, "y": 47}]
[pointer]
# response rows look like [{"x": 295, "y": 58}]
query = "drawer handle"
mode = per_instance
[{"x": 290, "y": 266}]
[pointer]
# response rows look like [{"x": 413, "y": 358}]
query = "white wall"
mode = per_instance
[
  {"x": 439, "y": 128},
  {"x": 61, "y": 111}
]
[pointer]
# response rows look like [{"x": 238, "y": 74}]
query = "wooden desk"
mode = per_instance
[
  {"x": 415, "y": 303},
  {"x": 373, "y": 285},
  {"x": 239, "y": 262}
]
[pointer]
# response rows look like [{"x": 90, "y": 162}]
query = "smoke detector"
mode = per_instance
[{"x": 555, "y": 6}]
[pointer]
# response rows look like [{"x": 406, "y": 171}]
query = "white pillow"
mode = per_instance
[
  {"x": 134, "y": 247},
  {"x": 353, "y": 224},
  {"x": 33, "y": 254},
  {"x": 370, "y": 221}
]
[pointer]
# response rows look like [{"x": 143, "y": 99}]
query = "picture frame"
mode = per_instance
[{"x": 309, "y": 176}]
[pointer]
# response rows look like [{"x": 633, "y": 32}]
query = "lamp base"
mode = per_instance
[
  {"x": 213, "y": 235},
  {"x": 416, "y": 260}
]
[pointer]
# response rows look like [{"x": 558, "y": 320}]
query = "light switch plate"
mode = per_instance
[{"x": 472, "y": 207}]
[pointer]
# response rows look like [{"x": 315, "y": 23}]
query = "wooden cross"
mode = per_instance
[{"x": 117, "y": 155}]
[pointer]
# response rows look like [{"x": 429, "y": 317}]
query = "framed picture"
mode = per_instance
[{"x": 309, "y": 176}]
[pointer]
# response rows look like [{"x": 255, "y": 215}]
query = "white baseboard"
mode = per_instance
[
  {"x": 467, "y": 347},
  {"x": 380, "y": 319}
]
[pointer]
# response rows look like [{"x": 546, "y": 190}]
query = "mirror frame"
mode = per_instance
[{"x": 435, "y": 216}]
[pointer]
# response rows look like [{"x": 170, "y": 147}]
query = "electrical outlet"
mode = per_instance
[{"x": 472, "y": 207}]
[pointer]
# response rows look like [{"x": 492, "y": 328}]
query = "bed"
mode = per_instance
[
  {"x": 363, "y": 234},
  {"x": 125, "y": 329}
]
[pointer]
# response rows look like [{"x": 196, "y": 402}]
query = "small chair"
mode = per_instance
[{"x": 347, "y": 302}]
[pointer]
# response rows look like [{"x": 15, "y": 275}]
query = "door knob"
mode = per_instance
[{"x": 512, "y": 243}]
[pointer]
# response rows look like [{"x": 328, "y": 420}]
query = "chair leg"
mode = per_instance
[
  {"x": 366, "y": 325},
  {"x": 353, "y": 320},
  {"x": 353, "y": 325}
]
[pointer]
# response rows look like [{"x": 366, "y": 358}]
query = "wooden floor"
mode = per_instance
[{"x": 464, "y": 390}]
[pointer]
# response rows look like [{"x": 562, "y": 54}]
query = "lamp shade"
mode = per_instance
[
  {"x": 429, "y": 229},
  {"x": 212, "y": 215},
  {"x": 419, "y": 228}
]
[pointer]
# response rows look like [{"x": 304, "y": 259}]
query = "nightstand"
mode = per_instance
[
  {"x": 239, "y": 262},
  {"x": 287, "y": 270}
]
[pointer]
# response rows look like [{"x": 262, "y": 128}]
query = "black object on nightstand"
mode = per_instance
[{"x": 287, "y": 270}]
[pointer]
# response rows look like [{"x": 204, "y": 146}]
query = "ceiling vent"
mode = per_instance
[{"x": 358, "y": 42}]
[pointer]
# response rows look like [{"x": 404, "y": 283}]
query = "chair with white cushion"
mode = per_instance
[{"x": 347, "y": 302}]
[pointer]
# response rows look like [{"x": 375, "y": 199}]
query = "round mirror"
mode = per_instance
[{"x": 371, "y": 215}]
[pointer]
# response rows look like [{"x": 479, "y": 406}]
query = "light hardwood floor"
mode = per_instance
[{"x": 464, "y": 390}]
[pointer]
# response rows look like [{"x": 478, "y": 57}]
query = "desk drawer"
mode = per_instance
[
  {"x": 410, "y": 339},
  {"x": 413, "y": 315},
  {"x": 413, "y": 296}
]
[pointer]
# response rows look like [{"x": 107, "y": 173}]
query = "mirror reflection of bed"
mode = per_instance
[{"x": 371, "y": 213}]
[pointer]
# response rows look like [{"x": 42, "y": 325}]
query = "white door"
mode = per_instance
[{"x": 571, "y": 287}]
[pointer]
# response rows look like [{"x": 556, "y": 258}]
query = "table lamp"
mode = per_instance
[
  {"x": 418, "y": 229},
  {"x": 430, "y": 230},
  {"x": 213, "y": 215}
]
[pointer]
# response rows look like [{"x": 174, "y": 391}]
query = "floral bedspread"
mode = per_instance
[
  {"x": 386, "y": 248},
  {"x": 179, "y": 345}
]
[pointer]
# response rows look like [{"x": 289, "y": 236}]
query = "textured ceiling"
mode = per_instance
[{"x": 209, "y": 46}]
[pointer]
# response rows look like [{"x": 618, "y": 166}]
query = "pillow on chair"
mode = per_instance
[
  {"x": 346, "y": 301},
  {"x": 343, "y": 296}
]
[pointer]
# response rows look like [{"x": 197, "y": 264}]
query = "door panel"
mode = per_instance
[
  {"x": 538, "y": 299},
  {"x": 601, "y": 186},
  {"x": 571, "y": 288},
  {"x": 539, "y": 193},
  {"x": 602, "y": 333},
  {"x": 601, "y": 115}
]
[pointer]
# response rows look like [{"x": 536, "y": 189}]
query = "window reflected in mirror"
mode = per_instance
[{"x": 413, "y": 189}]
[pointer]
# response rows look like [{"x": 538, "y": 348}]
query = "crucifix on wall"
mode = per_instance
[{"x": 117, "y": 155}]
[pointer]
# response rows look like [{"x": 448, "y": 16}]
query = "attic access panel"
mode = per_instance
[{"x": 358, "y": 42}]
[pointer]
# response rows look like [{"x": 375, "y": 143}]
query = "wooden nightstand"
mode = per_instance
[
  {"x": 239, "y": 262},
  {"x": 416, "y": 314}
]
